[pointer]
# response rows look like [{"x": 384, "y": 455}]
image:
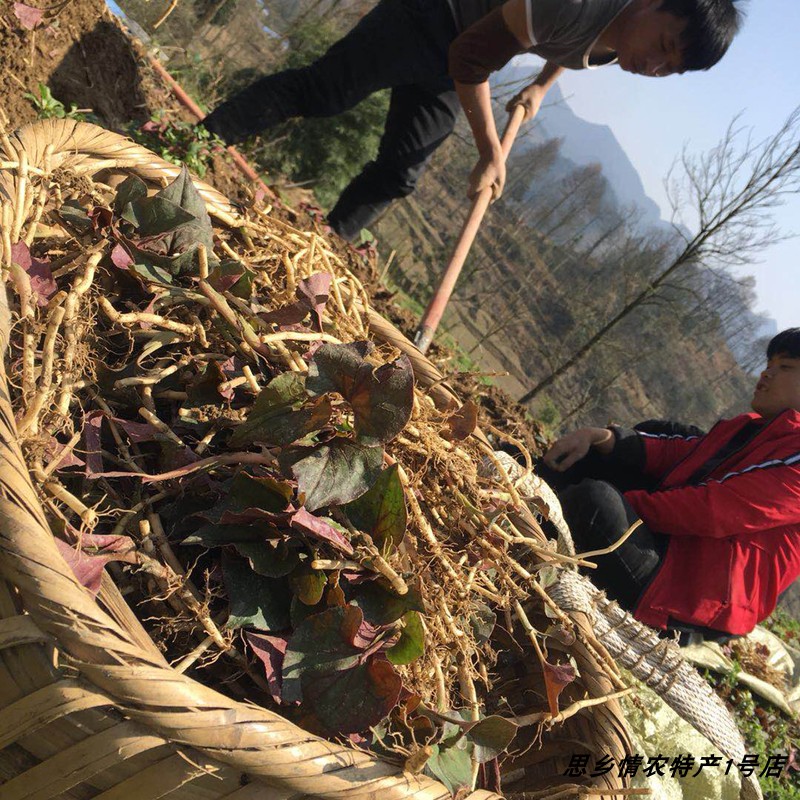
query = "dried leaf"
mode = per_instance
[
  {"x": 556, "y": 678},
  {"x": 462, "y": 422},
  {"x": 270, "y": 651},
  {"x": 88, "y": 565},
  {"x": 42, "y": 284},
  {"x": 314, "y": 292},
  {"x": 28, "y": 16}
]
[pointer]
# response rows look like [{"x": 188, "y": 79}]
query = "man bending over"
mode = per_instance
[
  {"x": 721, "y": 511},
  {"x": 437, "y": 55}
]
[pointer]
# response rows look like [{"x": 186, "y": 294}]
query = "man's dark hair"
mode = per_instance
[
  {"x": 711, "y": 26},
  {"x": 786, "y": 343}
]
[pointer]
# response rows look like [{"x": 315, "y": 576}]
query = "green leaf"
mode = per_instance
[
  {"x": 131, "y": 190},
  {"x": 451, "y": 765},
  {"x": 278, "y": 416},
  {"x": 183, "y": 193},
  {"x": 273, "y": 559},
  {"x": 381, "y": 511},
  {"x": 151, "y": 273},
  {"x": 256, "y": 601},
  {"x": 218, "y": 535},
  {"x": 245, "y": 493},
  {"x": 308, "y": 584},
  {"x": 155, "y": 215},
  {"x": 482, "y": 622},
  {"x": 491, "y": 736},
  {"x": 232, "y": 276},
  {"x": 381, "y": 398},
  {"x": 382, "y": 607},
  {"x": 412, "y": 641},
  {"x": 333, "y": 473},
  {"x": 322, "y": 643},
  {"x": 73, "y": 213},
  {"x": 352, "y": 700}
]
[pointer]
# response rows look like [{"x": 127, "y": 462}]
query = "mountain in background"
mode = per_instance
[{"x": 587, "y": 143}]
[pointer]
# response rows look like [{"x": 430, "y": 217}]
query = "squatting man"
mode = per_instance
[
  {"x": 437, "y": 55},
  {"x": 721, "y": 511}
]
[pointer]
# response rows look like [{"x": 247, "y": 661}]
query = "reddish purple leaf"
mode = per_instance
[
  {"x": 88, "y": 567},
  {"x": 91, "y": 435},
  {"x": 318, "y": 527},
  {"x": 270, "y": 651},
  {"x": 28, "y": 16},
  {"x": 120, "y": 257},
  {"x": 53, "y": 449},
  {"x": 462, "y": 423},
  {"x": 42, "y": 284},
  {"x": 314, "y": 291},
  {"x": 556, "y": 678},
  {"x": 285, "y": 316}
]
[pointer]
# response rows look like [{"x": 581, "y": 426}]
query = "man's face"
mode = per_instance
[
  {"x": 778, "y": 388},
  {"x": 650, "y": 41}
]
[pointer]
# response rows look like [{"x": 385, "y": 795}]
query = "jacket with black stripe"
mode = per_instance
[{"x": 734, "y": 541}]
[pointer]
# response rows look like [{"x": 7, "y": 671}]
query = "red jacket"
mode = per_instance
[{"x": 734, "y": 538}]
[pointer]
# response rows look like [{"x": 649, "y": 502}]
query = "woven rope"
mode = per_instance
[{"x": 656, "y": 662}]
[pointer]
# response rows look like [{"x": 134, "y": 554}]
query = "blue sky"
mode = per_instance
[{"x": 653, "y": 118}]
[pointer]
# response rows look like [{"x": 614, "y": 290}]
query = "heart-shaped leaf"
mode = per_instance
[
  {"x": 411, "y": 644},
  {"x": 381, "y": 511},
  {"x": 451, "y": 765},
  {"x": 333, "y": 473},
  {"x": 491, "y": 736},
  {"x": 244, "y": 493},
  {"x": 273, "y": 559},
  {"x": 380, "y": 606},
  {"x": 321, "y": 644},
  {"x": 352, "y": 700},
  {"x": 256, "y": 601},
  {"x": 307, "y": 584},
  {"x": 381, "y": 398},
  {"x": 279, "y": 417},
  {"x": 130, "y": 191}
]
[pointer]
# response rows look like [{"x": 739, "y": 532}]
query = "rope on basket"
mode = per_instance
[{"x": 657, "y": 662}]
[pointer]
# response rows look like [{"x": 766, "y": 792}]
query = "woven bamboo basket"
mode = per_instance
[{"x": 88, "y": 705}]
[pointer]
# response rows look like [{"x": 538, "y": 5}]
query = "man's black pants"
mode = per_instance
[
  {"x": 598, "y": 515},
  {"x": 399, "y": 44}
]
